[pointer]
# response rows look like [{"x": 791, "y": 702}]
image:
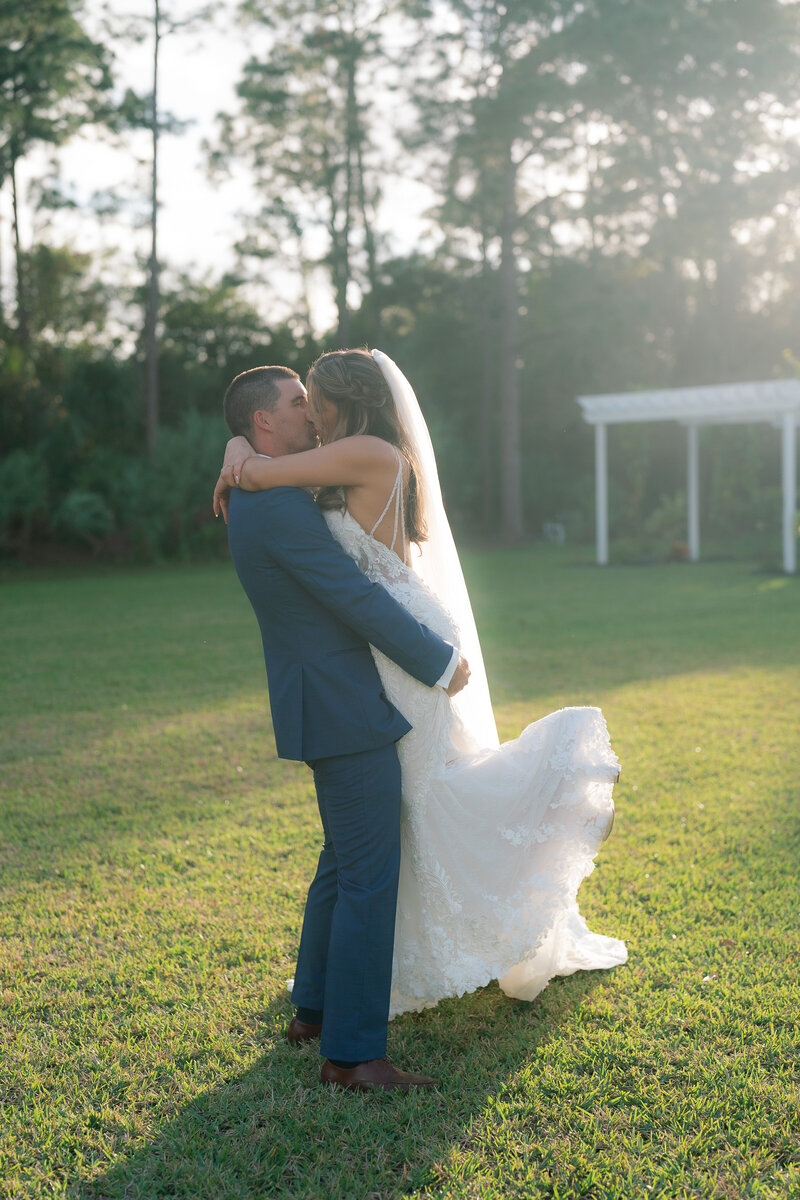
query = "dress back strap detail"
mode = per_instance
[{"x": 397, "y": 496}]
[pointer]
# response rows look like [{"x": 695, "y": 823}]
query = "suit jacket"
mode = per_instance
[{"x": 318, "y": 613}]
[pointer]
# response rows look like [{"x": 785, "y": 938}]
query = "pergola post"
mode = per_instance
[
  {"x": 693, "y": 491},
  {"x": 776, "y": 401},
  {"x": 601, "y": 492},
  {"x": 789, "y": 478}
]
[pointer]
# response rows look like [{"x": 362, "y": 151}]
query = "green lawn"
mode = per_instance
[{"x": 154, "y": 856}]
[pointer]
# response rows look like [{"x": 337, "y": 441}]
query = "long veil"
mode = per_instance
[{"x": 436, "y": 560}]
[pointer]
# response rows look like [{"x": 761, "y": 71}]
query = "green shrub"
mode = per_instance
[
  {"x": 23, "y": 497},
  {"x": 163, "y": 506},
  {"x": 84, "y": 518}
]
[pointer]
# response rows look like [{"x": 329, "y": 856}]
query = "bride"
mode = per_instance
[{"x": 496, "y": 840}]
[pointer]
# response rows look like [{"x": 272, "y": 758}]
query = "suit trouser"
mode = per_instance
[{"x": 344, "y": 965}]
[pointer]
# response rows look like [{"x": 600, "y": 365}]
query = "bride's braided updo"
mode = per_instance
[{"x": 353, "y": 382}]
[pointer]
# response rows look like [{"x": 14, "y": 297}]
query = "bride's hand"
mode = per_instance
[
  {"x": 222, "y": 491},
  {"x": 237, "y": 452}
]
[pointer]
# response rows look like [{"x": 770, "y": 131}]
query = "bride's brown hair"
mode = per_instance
[{"x": 353, "y": 382}]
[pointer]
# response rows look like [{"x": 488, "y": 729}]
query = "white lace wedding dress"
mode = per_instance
[{"x": 495, "y": 841}]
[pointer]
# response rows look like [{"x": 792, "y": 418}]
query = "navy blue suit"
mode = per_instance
[{"x": 318, "y": 613}]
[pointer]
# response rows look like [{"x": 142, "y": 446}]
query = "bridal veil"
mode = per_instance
[{"x": 436, "y": 559}]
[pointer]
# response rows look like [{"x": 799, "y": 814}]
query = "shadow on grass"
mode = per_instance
[{"x": 276, "y": 1131}]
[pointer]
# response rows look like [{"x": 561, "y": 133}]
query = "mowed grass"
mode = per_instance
[{"x": 155, "y": 855}]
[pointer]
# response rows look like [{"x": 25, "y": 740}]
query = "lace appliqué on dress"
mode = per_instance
[{"x": 495, "y": 842}]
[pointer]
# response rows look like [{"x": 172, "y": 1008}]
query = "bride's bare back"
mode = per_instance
[{"x": 388, "y": 523}]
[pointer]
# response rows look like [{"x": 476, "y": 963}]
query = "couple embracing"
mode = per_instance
[{"x": 448, "y": 860}]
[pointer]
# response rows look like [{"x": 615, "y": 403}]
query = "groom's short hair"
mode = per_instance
[{"x": 250, "y": 392}]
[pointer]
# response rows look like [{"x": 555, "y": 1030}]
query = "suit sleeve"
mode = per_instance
[{"x": 297, "y": 537}]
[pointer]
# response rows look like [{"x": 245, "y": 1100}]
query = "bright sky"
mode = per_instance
[{"x": 199, "y": 221}]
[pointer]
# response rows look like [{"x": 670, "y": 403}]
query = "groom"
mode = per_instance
[{"x": 318, "y": 614}]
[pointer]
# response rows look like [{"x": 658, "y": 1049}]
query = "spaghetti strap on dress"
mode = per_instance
[{"x": 395, "y": 495}]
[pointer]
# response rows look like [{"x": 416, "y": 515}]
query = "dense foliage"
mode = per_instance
[{"x": 617, "y": 210}]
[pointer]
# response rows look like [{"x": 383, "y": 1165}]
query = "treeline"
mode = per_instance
[{"x": 616, "y": 189}]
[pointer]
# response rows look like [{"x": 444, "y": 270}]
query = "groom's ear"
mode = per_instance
[{"x": 261, "y": 419}]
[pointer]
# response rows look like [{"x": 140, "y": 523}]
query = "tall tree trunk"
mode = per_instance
[
  {"x": 350, "y": 142},
  {"x": 374, "y": 331},
  {"x": 488, "y": 415},
  {"x": 725, "y": 291},
  {"x": 671, "y": 317},
  {"x": 339, "y": 270},
  {"x": 338, "y": 276},
  {"x": 305, "y": 301},
  {"x": 512, "y": 527},
  {"x": 2, "y": 290},
  {"x": 152, "y": 304},
  {"x": 23, "y": 330}
]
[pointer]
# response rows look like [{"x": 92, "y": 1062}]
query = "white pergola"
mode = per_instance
[{"x": 777, "y": 402}]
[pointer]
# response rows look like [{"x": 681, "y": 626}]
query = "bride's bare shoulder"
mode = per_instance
[{"x": 369, "y": 447}]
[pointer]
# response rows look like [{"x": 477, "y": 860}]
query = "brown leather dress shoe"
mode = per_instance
[
  {"x": 378, "y": 1075},
  {"x": 300, "y": 1031}
]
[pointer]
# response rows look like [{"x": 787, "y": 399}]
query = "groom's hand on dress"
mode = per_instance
[{"x": 460, "y": 677}]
